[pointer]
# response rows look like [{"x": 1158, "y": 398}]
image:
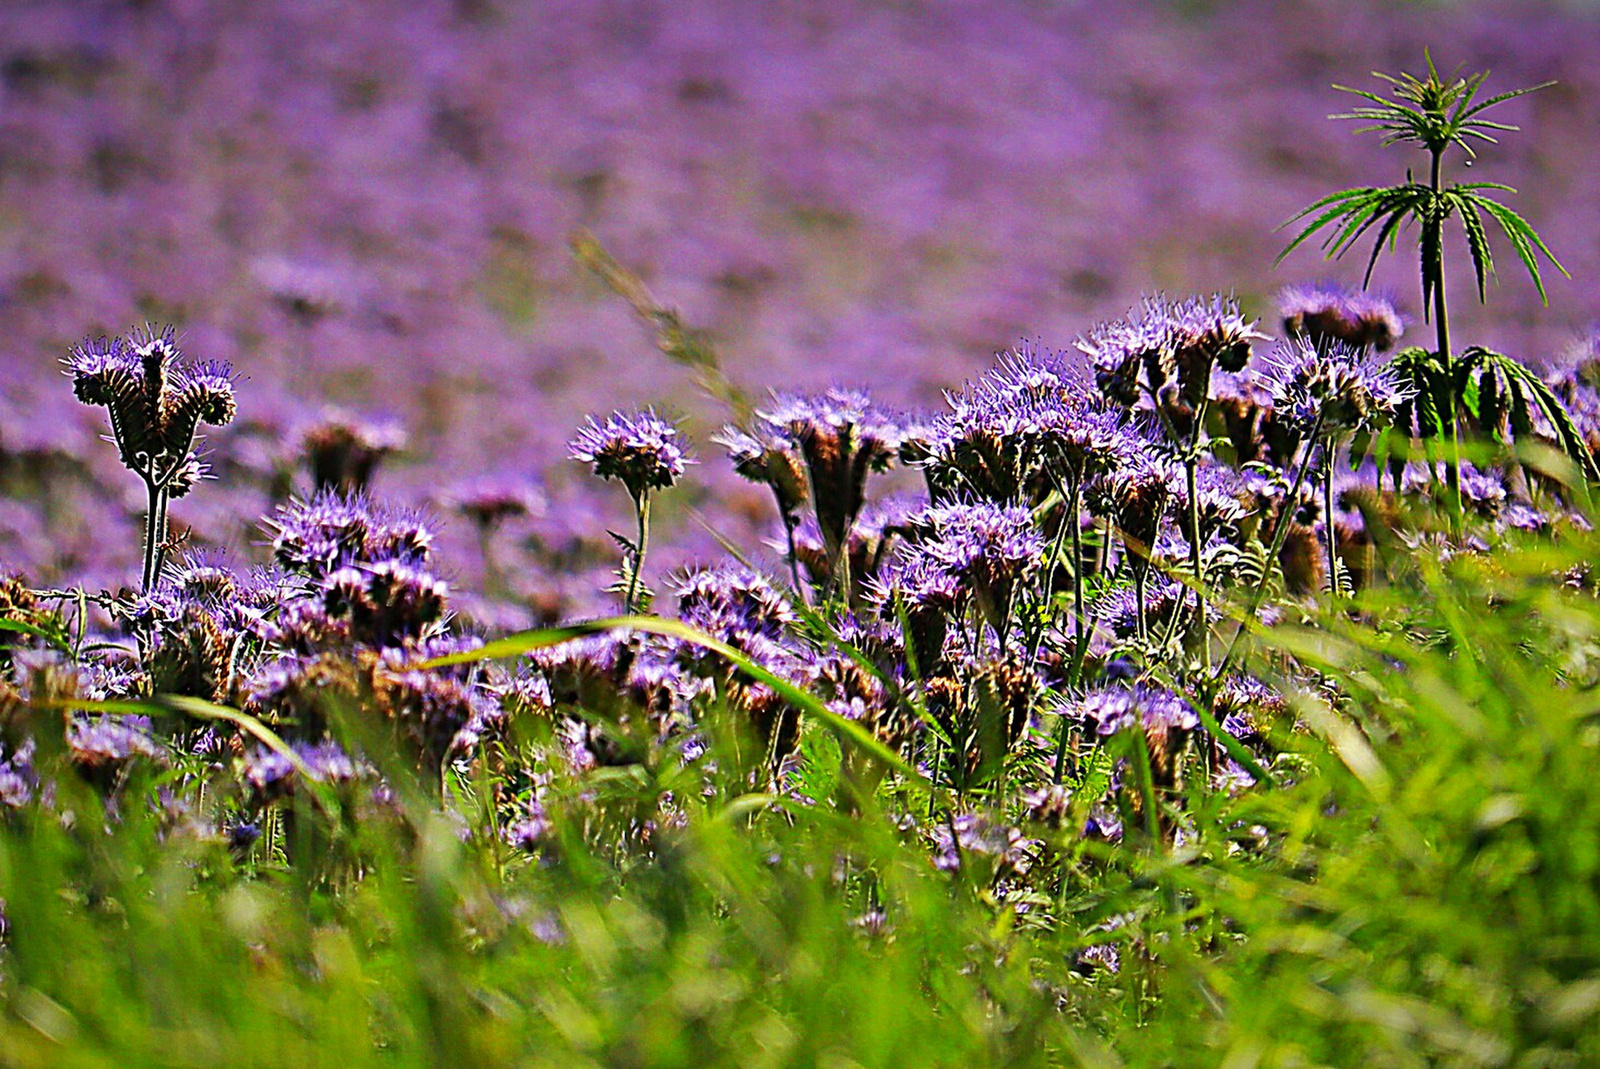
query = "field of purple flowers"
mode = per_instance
[
  {"x": 372, "y": 211},
  {"x": 454, "y": 650}
]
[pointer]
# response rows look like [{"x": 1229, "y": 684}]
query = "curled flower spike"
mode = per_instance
[
  {"x": 157, "y": 404},
  {"x": 487, "y": 503},
  {"x": 1207, "y": 332},
  {"x": 1166, "y": 354},
  {"x": 990, "y": 548},
  {"x": 638, "y": 449},
  {"x": 1337, "y": 314},
  {"x": 1167, "y": 719},
  {"x": 770, "y": 461},
  {"x": 315, "y": 537}
]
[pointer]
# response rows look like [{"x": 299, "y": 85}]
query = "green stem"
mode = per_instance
[
  {"x": 1335, "y": 587},
  {"x": 155, "y": 533},
  {"x": 641, "y": 506},
  {"x": 1139, "y": 574},
  {"x": 1441, "y": 322},
  {"x": 789, "y": 523}
]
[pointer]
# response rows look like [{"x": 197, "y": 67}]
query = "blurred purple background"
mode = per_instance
[{"x": 368, "y": 203}]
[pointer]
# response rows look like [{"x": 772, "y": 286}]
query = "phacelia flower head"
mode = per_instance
[
  {"x": 487, "y": 503},
  {"x": 638, "y": 449},
  {"x": 1332, "y": 386},
  {"x": 316, "y": 536},
  {"x": 1114, "y": 709},
  {"x": 773, "y": 461},
  {"x": 989, "y": 548},
  {"x": 1327, "y": 313},
  {"x": 1130, "y": 358},
  {"x": 101, "y": 747},
  {"x": 343, "y": 450},
  {"x": 1136, "y": 492},
  {"x": 1005, "y": 429},
  {"x": 730, "y": 596},
  {"x": 386, "y": 601},
  {"x": 1166, "y": 354},
  {"x": 156, "y": 401},
  {"x": 1206, "y": 332},
  {"x": 841, "y": 438}
]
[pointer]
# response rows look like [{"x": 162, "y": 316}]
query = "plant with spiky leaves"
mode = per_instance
[
  {"x": 157, "y": 403},
  {"x": 1434, "y": 113}
]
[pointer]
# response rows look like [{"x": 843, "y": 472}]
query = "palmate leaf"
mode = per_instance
[
  {"x": 1344, "y": 203},
  {"x": 1350, "y": 214},
  {"x": 1524, "y": 239},
  {"x": 1477, "y": 245},
  {"x": 1526, "y": 393}
]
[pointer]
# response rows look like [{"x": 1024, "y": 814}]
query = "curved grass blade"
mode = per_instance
[{"x": 803, "y": 700}]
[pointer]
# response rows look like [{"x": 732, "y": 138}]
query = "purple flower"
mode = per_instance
[
  {"x": 769, "y": 459},
  {"x": 977, "y": 837},
  {"x": 343, "y": 450},
  {"x": 315, "y": 537},
  {"x": 1115, "y": 709},
  {"x": 489, "y": 502},
  {"x": 386, "y": 601},
  {"x": 155, "y": 401},
  {"x": 108, "y": 742},
  {"x": 990, "y": 548},
  {"x": 1166, "y": 355},
  {"x": 1332, "y": 386},
  {"x": 842, "y": 439},
  {"x": 1004, "y": 430},
  {"x": 638, "y": 449},
  {"x": 731, "y": 597}
]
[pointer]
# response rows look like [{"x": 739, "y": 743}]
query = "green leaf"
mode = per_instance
[
  {"x": 1524, "y": 240},
  {"x": 1477, "y": 245},
  {"x": 54, "y": 638}
]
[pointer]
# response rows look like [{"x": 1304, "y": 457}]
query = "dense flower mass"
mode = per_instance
[{"x": 1158, "y": 700}]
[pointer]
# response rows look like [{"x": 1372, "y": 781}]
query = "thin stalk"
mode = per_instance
[
  {"x": 1441, "y": 322},
  {"x": 1334, "y": 585},
  {"x": 789, "y": 524},
  {"x": 1280, "y": 533},
  {"x": 1139, "y": 575},
  {"x": 155, "y": 532},
  {"x": 1080, "y": 622},
  {"x": 1191, "y": 467},
  {"x": 641, "y": 506}
]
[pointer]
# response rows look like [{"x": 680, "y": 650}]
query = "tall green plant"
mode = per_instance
[{"x": 1435, "y": 114}]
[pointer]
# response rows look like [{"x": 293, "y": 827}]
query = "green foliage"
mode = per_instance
[
  {"x": 1434, "y": 113},
  {"x": 1495, "y": 395},
  {"x": 1422, "y": 887}
]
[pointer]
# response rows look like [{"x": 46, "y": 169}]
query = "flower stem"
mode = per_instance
[
  {"x": 155, "y": 533},
  {"x": 1335, "y": 587},
  {"x": 789, "y": 523},
  {"x": 642, "y": 510},
  {"x": 1441, "y": 323}
]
